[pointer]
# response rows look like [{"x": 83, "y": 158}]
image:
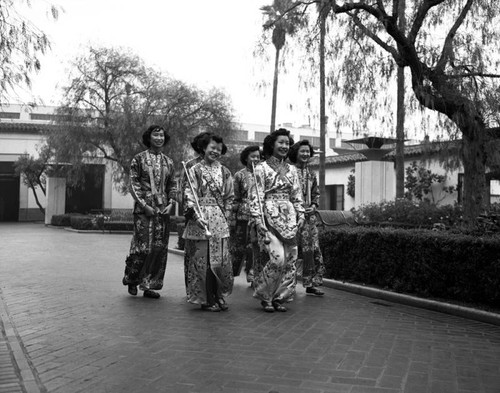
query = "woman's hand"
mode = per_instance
[
  {"x": 149, "y": 211},
  {"x": 300, "y": 223},
  {"x": 202, "y": 223},
  {"x": 261, "y": 229},
  {"x": 310, "y": 210}
]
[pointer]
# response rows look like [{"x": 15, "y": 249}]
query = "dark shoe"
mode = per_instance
[
  {"x": 279, "y": 307},
  {"x": 151, "y": 294},
  {"x": 314, "y": 291},
  {"x": 268, "y": 307},
  {"x": 132, "y": 289},
  {"x": 222, "y": 305},
  {"x": 212, "y": 308}
]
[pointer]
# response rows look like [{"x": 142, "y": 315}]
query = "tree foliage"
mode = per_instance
[
  {"x": 33, "y": 170},
  {"x": 449, "y": 48},
  {"x": 420, "y": 184},
  {"x": 112, "y": 97},
  {"x": 21, "y": 44}
]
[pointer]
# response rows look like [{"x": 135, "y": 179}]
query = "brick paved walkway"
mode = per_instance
[{"x": 69, "y": 326}]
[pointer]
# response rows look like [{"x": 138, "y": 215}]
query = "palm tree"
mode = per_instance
[{"x": 282, "y": 18}]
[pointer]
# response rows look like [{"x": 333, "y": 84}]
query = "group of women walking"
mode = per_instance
[{"x": 262, "y": 220}]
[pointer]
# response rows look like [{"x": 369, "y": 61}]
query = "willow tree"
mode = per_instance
[
  {"x": 112, "y": 97},
  {"x": 449, "y": 48},
  {"x": 21, "y": 45},
  {"x": 283, "y": 19}
]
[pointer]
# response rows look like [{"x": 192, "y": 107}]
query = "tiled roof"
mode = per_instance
[
  {"x": 424, "y": 149},
  {"x": 341, "y": 159},
  {"x": 25, "y": 128}
]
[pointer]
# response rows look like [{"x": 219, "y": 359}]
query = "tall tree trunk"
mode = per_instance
[
  {"x": 400, "y": 116},
  {"x": 322, "y": 110},
  {"x": 275, "y": 91},
  {"x": 474, "y": 159},
  {"x": 42, "y": 209}
]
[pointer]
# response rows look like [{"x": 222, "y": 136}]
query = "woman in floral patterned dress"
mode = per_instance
[
  {"x": 276, "y": 207},
  {"x": 245, "y": 235},
  {"x": 310, "y": 256},
  {"x": 153, "y": 188},
  {"x": 208, "y": 203}
]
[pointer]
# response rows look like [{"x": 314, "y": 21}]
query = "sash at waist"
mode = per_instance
[
  {"x": 207, "y": 201},
  {"x": 278, "y": 196}
]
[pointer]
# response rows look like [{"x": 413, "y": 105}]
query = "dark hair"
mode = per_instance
[
  {"x": 205, "y": 139},
  {"x": 246, "y": 152},
  {"x": 146, "y": 135},
  {"x": 269, "y": 140},
  {"x": 294, "y": 150},
  {"x": 195, "y": 144}
]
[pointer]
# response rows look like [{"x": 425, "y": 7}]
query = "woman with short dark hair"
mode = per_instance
[
  {"x": 245, "y": 236},
  {"x": 276, "y": 207},
  {"x": 153, "y": 188},
  {"x": 208, "y": 203},
  {"x": 310, "y": 257}
]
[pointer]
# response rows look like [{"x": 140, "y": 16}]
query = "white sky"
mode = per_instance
[{"x": 207, "y": 43}]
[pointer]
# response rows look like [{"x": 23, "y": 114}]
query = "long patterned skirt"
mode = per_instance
[
  {"x": 310, "y": 257},
  {"x": 243, "y": 239},
  {"x": 145, "y": 266},
  {"x": 209, "y": 275},
  {"x": 275, "y": 271}
]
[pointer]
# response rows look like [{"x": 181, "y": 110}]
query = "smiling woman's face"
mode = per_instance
[
  {"x": 213, "y": 151},
  {"x": 157, "y": 138},
  {"x": 281, "y": 147}
]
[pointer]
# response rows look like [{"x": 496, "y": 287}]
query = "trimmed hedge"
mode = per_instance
[
  {"x": 425, "y": 263},
  {"x": 87, "y": 222},
  {"x": 63, "y": 220}
]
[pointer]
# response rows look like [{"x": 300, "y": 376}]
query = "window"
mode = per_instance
[
  {"x": 332, "y": 143},
  {"x": 313, "y": 140},
  {"x": 460, "y": 188},
  {"x": 335, "y": 197},
  {"x": 259, "y": 136},
  {"x": 42, "y": 116},
  {"x": 10, "y": 115}
]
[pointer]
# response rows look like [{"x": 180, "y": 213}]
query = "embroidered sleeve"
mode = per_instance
[
  {"x": 170, "y": 184},
  {"x": 135, "y": 181},
  {"x": 228, "y": 195},
  {"x": 314, "y": 189},
  {"x": 253, "y": 197},
  {"x": 189, "y": 197},
  {"x": 296, "y": 194},
  {"x": 237, "y": 190}
]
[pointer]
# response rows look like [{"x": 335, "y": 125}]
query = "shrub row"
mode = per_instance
[
  {"x": 63, "y": 220},
  {"x": 421, "y": 262}
]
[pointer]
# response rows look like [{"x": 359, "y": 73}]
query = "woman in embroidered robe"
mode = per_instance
[
  {"x": 209, "y": 197},
  {"x": 245, "y": 235},
  {"x": 153, "y": 188},
  {"x": 182, "y": 181},
  {"x": 310, "y": 256},
  {"x": 276, "y": 206}
]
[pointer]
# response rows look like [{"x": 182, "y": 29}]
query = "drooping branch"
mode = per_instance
[
  {"x": 422, "y": 12},
  {"x": 448, "y": 42},
  {"x": 373, "y": 36}
]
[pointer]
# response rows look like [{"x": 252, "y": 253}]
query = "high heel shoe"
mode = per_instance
[
  {"x": 314, "y": 291},
  {"x": 211, "y": 308},
  {"x": 279, "y": 307},
  {"x": 268, "y": 307},
  {"x": 222, "y": 305}
]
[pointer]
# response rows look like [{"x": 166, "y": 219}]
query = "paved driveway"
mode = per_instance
[{"x": 69, "y": 326}]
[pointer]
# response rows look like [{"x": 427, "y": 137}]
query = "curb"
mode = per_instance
[{"x": 446, "y": 308}]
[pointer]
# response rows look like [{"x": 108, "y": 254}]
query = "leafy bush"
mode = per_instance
[
  {"x": 422, "y": 262},
  {"x": 89, "y": 222},
  {"x": 62, "y": 220},
  {"x": 415, "y": 213}
]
